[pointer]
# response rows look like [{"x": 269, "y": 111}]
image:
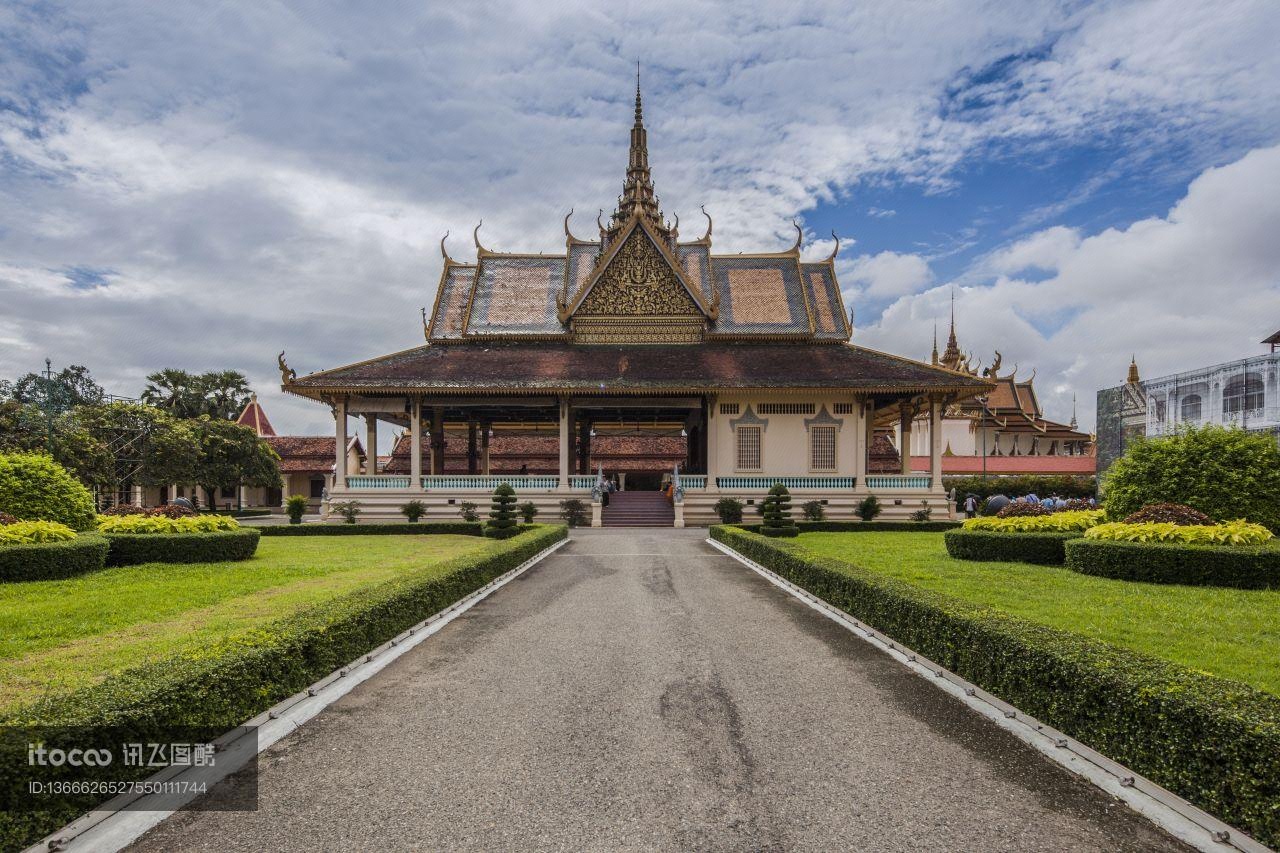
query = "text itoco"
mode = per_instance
[{"x": 39, "y": 756}]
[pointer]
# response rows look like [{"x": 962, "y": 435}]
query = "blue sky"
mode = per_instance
[{"x": 200, "y": 186}]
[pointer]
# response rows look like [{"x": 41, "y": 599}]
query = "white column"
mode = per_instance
[
  {"x": 564, "y": 444},
  {"x": 415, "y": 445},
  {"x": 859, "y": 443},
  {"x": 869, "y": 435},
  {"x": 340, "y": 456},
  {"x": 935, "y": 443},
  {"x": 904, "y": 446},
  {"x": 284, "y": 489},
  {"x": 137, "y": 495},
  {"x": 371, "y": 443},
  {"x": 712, "y": 427}
]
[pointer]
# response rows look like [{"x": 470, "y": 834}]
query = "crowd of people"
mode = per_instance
[{"x": 972, "y": 504}]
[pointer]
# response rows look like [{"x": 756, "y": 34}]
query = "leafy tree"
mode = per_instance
[
  {"x": 70, "y": 387},
  {"x": 232, "y": 455},
  {"x": 1226, "y": 473},
  {"x": 219, "y": 394}
]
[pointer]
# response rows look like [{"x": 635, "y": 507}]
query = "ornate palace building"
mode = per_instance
[
  {"x": 1002, "y": 431},
  {"x": 745, "y": 359}
]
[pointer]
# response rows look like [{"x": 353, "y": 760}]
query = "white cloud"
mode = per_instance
[
  {"x": 1198, "y": 286},
  {"x": 886, "y": 274}
]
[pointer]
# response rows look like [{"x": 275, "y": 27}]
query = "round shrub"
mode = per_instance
[
  {"x": 1236, "y": 566},
  {"x": 53, "y": 560},
  {"x": 1168, "y": 513},
  {"x": 729, "y": 510},
  {"x": 1042, "y": 547},
  {"x": 1023, "y": 509},
  {"x": 31, "y": 532},
  {"x": 35, "y": 488},
  {"x": 1224, "y": 472},
  {"x": 219, "y": 546}
]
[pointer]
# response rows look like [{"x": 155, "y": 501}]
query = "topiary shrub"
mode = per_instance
[
  {"x": 573, "y": 511},
  {"x": 869, "y": 508},
  {"x": 924, "y": 513},
  {"x": 528, "y": 511},
  {"x": 813, "y": 511},
  {"x": 1237, "y": 566},
  {"x": 158, "y": 525},
  {"x": 219, "y": 546},
  {"x": 296, "y": 507},
  {"x": 469, "y": 511},
  {"x": 403, "y": 528},
  {"x": 1016, "y": 509},
  {"x": 53, "y": 560},
  {"x": 729, "y": 510},
  {"x": 777, "y": 513},
  {"x": 502, "y": 514},
  {"x": 35, "y": 488},
  {"x": 1226, "y": 473},
  {"x": 1168, "y": 513},
  {"x": 413, "y": 510}
]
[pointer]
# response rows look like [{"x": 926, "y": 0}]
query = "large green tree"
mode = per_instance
[
  {"x": 1226, "y": 473},
  {"x": 232, "y": 455},
  {"x": 218, "y": 394},
  {"x": 70, "y": 387}
]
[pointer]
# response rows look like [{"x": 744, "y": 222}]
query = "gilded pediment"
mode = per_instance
[{"x": 638, "y": 281}]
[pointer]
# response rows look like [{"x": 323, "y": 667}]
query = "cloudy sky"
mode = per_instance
[{"x": 201, "y": 185}]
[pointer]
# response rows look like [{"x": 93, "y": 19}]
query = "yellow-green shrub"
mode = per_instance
[
  {"x": 1059, "y": 522},
  {"x": 1238, "y": 532},
  {"x": 159, "y": 524},
  {"x": 29, "y": 532}
]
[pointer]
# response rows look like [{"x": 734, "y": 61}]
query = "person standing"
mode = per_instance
[{"x": 970, "y": 507}]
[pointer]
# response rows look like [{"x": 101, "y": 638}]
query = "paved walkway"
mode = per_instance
[{"x": 639, "y": 690}]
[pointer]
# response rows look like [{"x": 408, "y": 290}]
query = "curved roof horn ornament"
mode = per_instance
[
  {"x": 475, "y": 236},
  {"x": 566, "y": 227},
  {"x": 799, "y": 237},
  {"x": 707, "y": 236},
  {"x": 836, "y": 250},
  {"x": 443, "y": 251}
]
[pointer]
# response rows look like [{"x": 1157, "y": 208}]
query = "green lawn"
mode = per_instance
[
  {"x": 1225, "y": 632},
  {"x": 70, "y": 633}
]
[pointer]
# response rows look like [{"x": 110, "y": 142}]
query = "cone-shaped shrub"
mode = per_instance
[
  {"x": 502, "y": 514},
  {"x": 777, "y": 513}
]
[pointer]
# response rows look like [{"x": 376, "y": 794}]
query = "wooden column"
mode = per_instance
[
  {"x": 415, "y": 444},
  {"x": 870, "y": 435},
  {"x": 473, "y": 459},
  {"x": 437, "y": 440},
  {"x": 861, "y": 447},
  {"x": 935, "y": 442},
  {"x": 904, "y": 445},
  {"x": 564, "y": 444},
  {"x": 485, "y": 428},
  {"x": 340, "y": 455},
  {"x": 584, "y": 446},
  {"x": 712, "y": 442}
]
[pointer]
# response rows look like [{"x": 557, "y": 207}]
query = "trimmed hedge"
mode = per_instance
[
  {"x": 219, "y": 546},
  {"x": 1239, "y": 566},
  {"x": 866, "y": 526},
  {"x": 458, "y": 528},
  {"x": 1042, "y": 548},
  {"x": 1214, "y": 741},
  {"x": 229, "y": 682},
  {"x": 53, "y": 560}
]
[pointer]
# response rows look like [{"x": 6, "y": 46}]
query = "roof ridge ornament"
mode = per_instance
[
  {"x": 706, "y": 237},
  {"x": 836, "y": 251},
  {"x": 287, "y": 374},
  {"x": 475, "y": 237},
  {"x": 795, "y": 250},
  {"x": 443, "y": 251}
]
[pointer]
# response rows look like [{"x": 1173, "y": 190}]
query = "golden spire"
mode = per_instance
[
  {"x": 933, "y": 359},
  {"x": 1133, "y": 370},
  {"x": 952, "y": 357},
  {"x": 637, "y": 189}
]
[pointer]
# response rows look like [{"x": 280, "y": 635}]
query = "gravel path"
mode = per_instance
[{"x": 638, "y": 690}]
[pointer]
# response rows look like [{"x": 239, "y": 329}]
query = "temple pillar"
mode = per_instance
[
  {"x": 473, "y": 458},
  {"x": 861, "y": 449},
  {"x": 437, "y": 440},
  {"x": 869, "y": 434},
  {"x": 584, "y": 446},
  {"x": 935, "y": 443},
  {"x": 415, "y": 444},
  {"x": 485, "y": 429},
  {"x": 712, "y": 443},
  {"x": 564, "y": 444},
  {"x": 371, "y": 444},
  {"x": 340, "y": 444},
  {"x": 907, "y": 412}
]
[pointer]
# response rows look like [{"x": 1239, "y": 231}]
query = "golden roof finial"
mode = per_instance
[
  {"x": 832, "y": 257},
  {"x": 707, "y": 236},
  {"x": 638, "y": 198}
]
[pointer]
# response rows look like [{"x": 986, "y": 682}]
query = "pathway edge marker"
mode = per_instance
[
  {"x": 1182, "y": 819},
  {"x": 108, "y": 829}
]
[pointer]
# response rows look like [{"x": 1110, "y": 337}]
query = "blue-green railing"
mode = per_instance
[
  {"x": 693, "y": 481},
  {"x": 899, "y": 481},
  {"x": 582, "y": 482},
  {"x": 379, "y": 482},
  {"x": 789, "y": 482},
  {"x": 487, "y": 482}
]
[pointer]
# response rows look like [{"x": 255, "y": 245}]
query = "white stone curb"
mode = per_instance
[
  {"x": 1174, "y": 815},
  {"x": 109, "y": 829}
]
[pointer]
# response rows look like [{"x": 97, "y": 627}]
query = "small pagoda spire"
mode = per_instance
[
  {"x": 933, "y": 359},
  {"x": 1074, "y": 423},
  {"x": 637, "y": 190},
  {"x": 1133, "y": 370},
  {"x": 951, "y": 357}
]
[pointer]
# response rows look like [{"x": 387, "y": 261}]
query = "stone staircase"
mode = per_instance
[{"x": 638, "y": 509}]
